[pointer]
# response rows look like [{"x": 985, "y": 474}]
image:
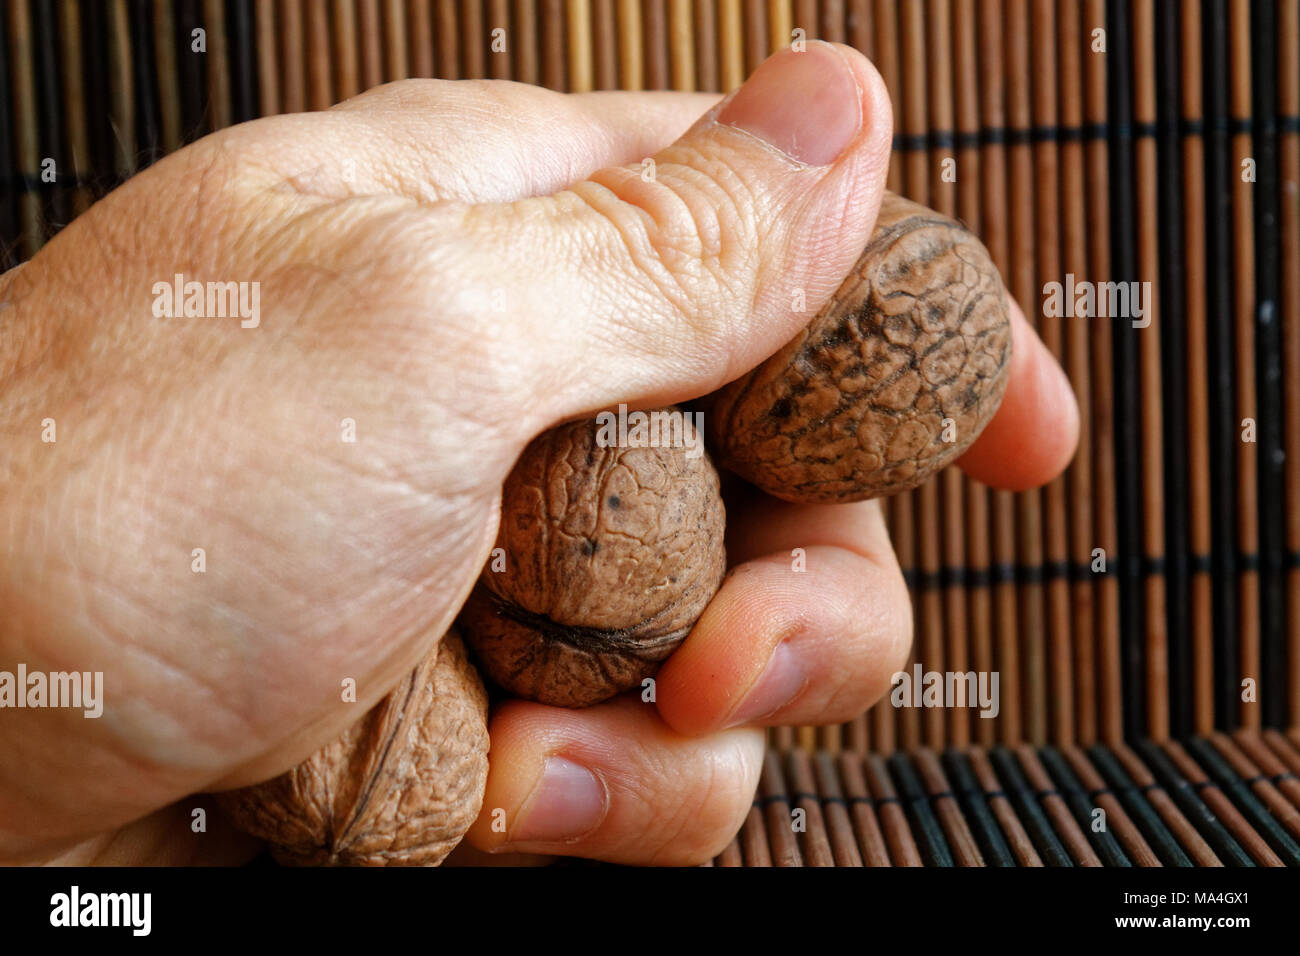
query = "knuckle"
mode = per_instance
[
  {"x": 235, "y": 178},
  {"x": 688, "y": 235},
  {"x": 394, "y": 92}
]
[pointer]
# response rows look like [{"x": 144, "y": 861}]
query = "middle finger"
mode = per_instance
[{"x": 807, "y": 628}]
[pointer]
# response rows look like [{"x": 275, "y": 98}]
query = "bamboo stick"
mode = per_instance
[
  {"x": 1059, "y": 664},
  {"x": 604, "y": 38},
  {"x": 293, "y": 65},
  {"x": 582, "y": 71},
  {"x": 370, "y": 44},
  {"x": 1071, "y": 48},
  {"x": 1288, "y": 105},
  {"x": 1148, "y": 252},
  {"x": 525, "y": 42},
  {"x": 1109, "y": 682},
  {"x": 630, "y": 59},
  {"x": 408, "y": 39},
  {"x": 473, "y": 41},
  {"x": 1243, "y": 310},
  {"x": 996, "y": 234},
  {"x": 708, "y": 55},
  {"x": 968, "y": 170},
  {"x": 346, "y": 67},
  {"x": 681, "y": 41},
  {"x": 655, "y": 14},
  {"x": 77, "y": 129}
]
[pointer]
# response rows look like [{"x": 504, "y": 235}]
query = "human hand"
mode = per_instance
[{"x": 428, "y": 269}]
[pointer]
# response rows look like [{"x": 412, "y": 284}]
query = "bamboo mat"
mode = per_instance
[
  {"x": 1222, "y": 801},
  {"x": 1153, "y": 591}
]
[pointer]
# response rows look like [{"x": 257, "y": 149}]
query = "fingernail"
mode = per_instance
[
  {"x": 781, "y": 681},
  {"x": 806, "y": 104},
  {"x": 566, "y": 803}
]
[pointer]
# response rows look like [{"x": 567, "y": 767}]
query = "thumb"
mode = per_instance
[{"x": 659, "y": 281}]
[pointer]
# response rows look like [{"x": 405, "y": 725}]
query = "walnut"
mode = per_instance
[
  {"x": 399, "y": 787},
  {"x": 891, "y": 381},
  {"x": 610, "y": 555}
]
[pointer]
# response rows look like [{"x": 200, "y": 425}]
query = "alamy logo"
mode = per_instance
[
  {"x": 1101, "y": 300},
  {"x": 663, "y": 428},
  {"x": 75, "y": 908},
  {"x": 208, "y": 300},
  {"x": 946, "y": 689},
  {"x": 83, "y": 689}
]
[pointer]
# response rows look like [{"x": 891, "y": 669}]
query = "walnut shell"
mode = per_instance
[
  {"x": 398, "y": 788},
  {"x": 611, "y": 554},
  {"x": 854, "y": 406}
]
